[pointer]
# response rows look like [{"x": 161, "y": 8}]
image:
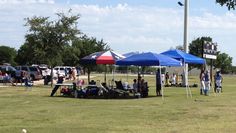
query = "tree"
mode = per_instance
[
  {"x": 196, "y": 46},
  {"x": 7, "y": 55},
  {"x": 87, "y": 46},
  {"x": 228, "y": 3},
  {"x": 224, "y": 62},
  {"x": 71, "y": 56},
  {"x": 48, "y": 39}
]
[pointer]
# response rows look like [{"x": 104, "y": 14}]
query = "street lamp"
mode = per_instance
[{"x": 186, "y": 6}]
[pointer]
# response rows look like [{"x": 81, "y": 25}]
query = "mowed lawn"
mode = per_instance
[{"x": 36, "y": 112}]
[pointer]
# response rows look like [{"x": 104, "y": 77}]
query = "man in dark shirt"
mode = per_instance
[
  {"x": 59, "y": 81},
  {"x": 158, "y": 83}
]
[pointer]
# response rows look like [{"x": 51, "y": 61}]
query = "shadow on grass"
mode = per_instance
[{"x": 108, "y": 98}]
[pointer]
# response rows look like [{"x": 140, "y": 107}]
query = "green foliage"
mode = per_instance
[
  {"x": 47, "y": 40},
  {"x": 196, "y": 46},
  {"x": 71, "y": 56},
  {"x": 89, "y": 45},
  {"x": 7, "y": 55},
  {"x": 224, "y": 62},
  {"x": 233, "y": 69},
  {"x": 228, "y": 3}
]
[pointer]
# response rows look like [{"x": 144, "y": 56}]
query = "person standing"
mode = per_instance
[
  {"x": 74, "y": 74},
  {"x": 218, "y": 81},
  {"x": 167, "y": 79},
  {"x": 173, "y": 79},
  {"x": 59, "y": 81},
  {"x": 202, "y": 83},
  {"x": 158, "y": 83}
]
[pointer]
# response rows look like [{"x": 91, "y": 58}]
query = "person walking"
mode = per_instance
[
  {"x": 59, "y": 81},
  {"x": 158, "y": 82},
  {"x": 202, "y": 81}
]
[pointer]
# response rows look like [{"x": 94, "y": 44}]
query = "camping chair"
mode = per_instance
[{"x": 120, "y": 88}]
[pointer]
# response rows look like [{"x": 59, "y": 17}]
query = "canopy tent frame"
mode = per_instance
[
  {"x": 149, "y": 59},
  {"x": 186, "y": 58}
]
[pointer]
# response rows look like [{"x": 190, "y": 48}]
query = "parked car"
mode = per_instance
[
  {"x": 8, "y": 69},
  {"x": 32, "y": 70},
  {"x": 43, "y": 69},
  {"x": 61, "y": 70}
]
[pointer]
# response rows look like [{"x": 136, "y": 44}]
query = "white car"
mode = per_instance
[{"x": 61, "y": 70}]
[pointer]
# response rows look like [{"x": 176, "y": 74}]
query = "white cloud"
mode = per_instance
[
  {"x": 212, "y": 21},
  {"x": 26, "y": 1},
  {"x": 126, "y": 28}
]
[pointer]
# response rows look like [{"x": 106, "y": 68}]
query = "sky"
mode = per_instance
[{"x": 127, "y": 25}]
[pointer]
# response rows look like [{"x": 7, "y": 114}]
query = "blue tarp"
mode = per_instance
[
  {"x": 148, "y": 59},
  {"x": 184, "y": 57}
]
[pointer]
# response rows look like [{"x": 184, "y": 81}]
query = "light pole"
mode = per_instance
[{"x": 186, "y": 6}]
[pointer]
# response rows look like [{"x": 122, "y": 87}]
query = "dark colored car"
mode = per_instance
[
  {"x": 8, "y": 69},
  {"x": 34, "y": 72}
]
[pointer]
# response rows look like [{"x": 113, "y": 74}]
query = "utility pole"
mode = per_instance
[{"x": 186, "y": 7}]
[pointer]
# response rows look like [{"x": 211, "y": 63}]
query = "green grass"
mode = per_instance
[{"x": 38, "y": 113}]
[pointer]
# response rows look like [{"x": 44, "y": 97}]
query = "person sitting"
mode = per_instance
[
  {"x": 92, "y": 82},
  {"x": 144, "y": 88},
  {"x": 80, "y": 83}
]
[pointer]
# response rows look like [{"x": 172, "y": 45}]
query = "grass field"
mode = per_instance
[{"x": 38, "y": 113}]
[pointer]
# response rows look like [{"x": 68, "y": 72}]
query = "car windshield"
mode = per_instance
[
  {"x": 33, "y": 69},
  {"x": 43, "y": 68},
  {"x": 8, "y": 68}
]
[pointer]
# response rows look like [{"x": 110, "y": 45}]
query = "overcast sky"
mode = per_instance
[{"x": 127, "y": 25}]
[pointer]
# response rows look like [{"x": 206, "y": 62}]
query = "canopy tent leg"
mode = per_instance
[
  {"x": 105, "y": 74},
  {"x": 113, "y": 76},
  {"x": 127, "y": 75},
  {"x": 188, "y": 89}
]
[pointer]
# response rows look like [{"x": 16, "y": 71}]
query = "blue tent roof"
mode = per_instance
[
  {"x": 185, "y": 57},
  {"x": 149, "y": 59}
]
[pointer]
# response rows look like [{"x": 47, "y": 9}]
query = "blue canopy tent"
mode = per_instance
[
  {"x": 186, "y": 59},
  {"x": 149, "y": 59}
]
